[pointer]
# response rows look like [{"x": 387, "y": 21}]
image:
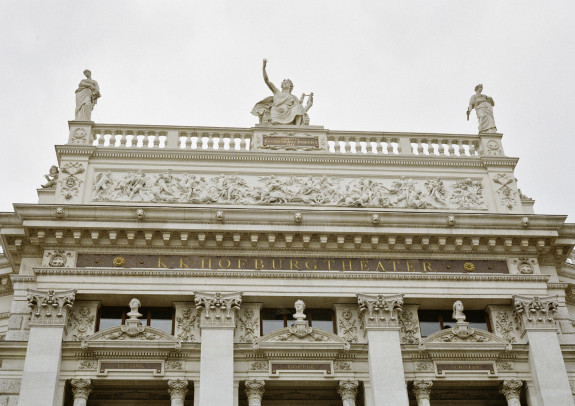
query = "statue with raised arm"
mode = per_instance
[
  {"x": 283, "y": 107},
  {"x": 87, "y": 96},
  {"x": 483, "y": 106}
]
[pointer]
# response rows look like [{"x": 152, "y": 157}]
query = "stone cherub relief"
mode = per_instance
[
  {"x": 483, "y": 106},
  {"x": 52, "y": 178},
  {"x": 283, "y": 107},
  {"x": 87, "y": 96}
]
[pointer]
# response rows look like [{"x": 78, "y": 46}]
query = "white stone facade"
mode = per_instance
[{"x": 221, "y": 230}]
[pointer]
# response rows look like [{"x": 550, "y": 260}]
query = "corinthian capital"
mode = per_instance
[
  {"x": 218, "y": 309},
  {"x": 348, "y": 390},
  {"x": 255, "y": 389},
  {"x": 81, "y": 388},
  {"x": 511, "y": 389},
  {"x": 177, "y": 388},
  {"x": 422, "y": 390},
  {"x": 50, "y": 307},
  {"x": 535, "y": 312},
  {"x": 379, "y": 311}
]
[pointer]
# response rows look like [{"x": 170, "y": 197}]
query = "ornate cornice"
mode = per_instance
[
  {"x": 219, "y": 310},
  {"x": 50, "y": 307},
  {"x": 379, "y": 311},
  {"x": 535, "y": 312}
]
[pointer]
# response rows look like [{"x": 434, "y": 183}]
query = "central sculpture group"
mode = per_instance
[{"x": 283, "y": 108}]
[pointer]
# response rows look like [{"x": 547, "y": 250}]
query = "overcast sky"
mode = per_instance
[{"x": 372, "y": 65}]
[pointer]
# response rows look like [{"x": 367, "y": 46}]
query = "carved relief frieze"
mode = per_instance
[
  {"x": 506, "y": 192},
  {"x": 248, "y": 323},
  {"x": 88, "y": 364},
  {"x": 434, "y": 193},
  {"x": 82, "y": 321},
  {"x": 409, "y": 325},
  {"x": 70, "y": 183},
  {"x": 349, "y": 324},
  {"x": 59, "y": 259},
  {"x": 172, "y": 365},
  {"x": 524, "y": 266},
  {"x": 50, "y": 307},
  {"x": 259, "y": 366},
  {"x": 535, "y": 312},
  {"x": 379, "y": 311},
  {"x": 505, "y": 326},
  {"x": 187, "y": 327},
  {"x": 342, "y": 366},
  {"x": 218, "y": 309}
]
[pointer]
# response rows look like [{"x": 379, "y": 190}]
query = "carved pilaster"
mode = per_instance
[
  {"x": 218, "y": 309},
  {"x": 349, "y": 323},
  {"x": 187, "y": 322},
  {"x": 379, "y": 311},
  {"x": 535, "y": 312},
  {"x": 255, "y": 389},
  {"x": 81, "y": 389},
  {"x": 511, "y": 389},
  {"x": 422, "y": 390},
  {"x": 81, "y": 321},
  {"x": 50, "y": 308},
  {"x": 248, "y": 319},
  {"x": 178, "y": 388},
  {"x": 347, "y": 389}
]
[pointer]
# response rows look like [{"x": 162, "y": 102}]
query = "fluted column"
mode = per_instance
[
  {"x": 422, "y": 390},
  {"x": 178, "y": 388},
  {"x": 381, "y": 320},
  {"x": 536, "y": 319},
  {"x": 512, "y": 391},
  {"x": 348, "y": 391},
  {"x": 81, "y": 389},
  {"x": 255, "y": 389},
  {"x": 217, "y": 322},
  {"x": 42, "y": 364}
]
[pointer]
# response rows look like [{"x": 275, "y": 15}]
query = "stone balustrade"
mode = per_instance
[{"x": 338, "y": 142}]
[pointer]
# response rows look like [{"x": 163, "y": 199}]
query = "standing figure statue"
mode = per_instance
[
  {"x": 283, "y": 107},
  {"x": 87, "y": 96},
  {"x": 483, "y": 106}
]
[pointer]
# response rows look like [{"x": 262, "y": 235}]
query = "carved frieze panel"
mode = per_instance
[
  {"x": 82, "y": 321},
  {"x": 506, "y": 189},
  {"x": 187, "y": 327},
  {"x": 59, "y": 259},
  {"x": 69, "y": 183},
  {"x": 248, "y": 323},
  {"x": 523, "y": 266},
  {"x": 409, "y": 325},
  {"x": 434, "y": 193},
  {"x": 504, "y": 323},
  {"x": 349, "y": 324}
]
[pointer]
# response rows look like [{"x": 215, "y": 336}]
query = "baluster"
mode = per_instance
[
  {"x": 472, "y": 148},
  {"x": 188, "y": 141},
  {"x": 450, "y": 148},
  {"x": 123, "y": 138},
  {"x": 342, "y": 145},
  {"x": 101, "y": 139},
  {"x": 378, "y": 146},
  {"x": 156, "y": 139},
  {"x": 420, "y": 143}
]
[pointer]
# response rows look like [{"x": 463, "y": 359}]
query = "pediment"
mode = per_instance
[
  {"x": 123, "y": 336},
  {"x": 462, "y": 336},
  {"x": 291, "y": 338}
]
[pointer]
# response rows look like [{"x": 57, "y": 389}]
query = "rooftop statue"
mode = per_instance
[
  {"x": 87, "y": 96},
  {"x": 483, "y": 106},
  {"x": 283, "y": 107}
]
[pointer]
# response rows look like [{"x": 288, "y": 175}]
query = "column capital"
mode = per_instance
[
  {"x": 255, "y": 389},
  {"x": 511, "y": 389},
  {"x": 422, "y": 389},
  {"x": 535, "y": 312},
  {"x": 49, "y": 307},
  {"x": 81, "y": 388},
  {"x": 347, "y": 389},
  {"x": 379, "y": 311},
  {"x": 178, "y": 388},
  {"x": 218, "y": 310}
]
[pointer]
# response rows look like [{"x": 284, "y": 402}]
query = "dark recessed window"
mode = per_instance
[
  {"x": 431, "y": 321},
  {"x": 161, "y": 318},
  {"x": 274, "y": 319}
]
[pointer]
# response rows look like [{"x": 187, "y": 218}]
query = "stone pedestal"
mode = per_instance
[
  {"x": 178, "y": 388},
  {"x": 535, "y": 316},
  {"x": 43, "y": 356},
  {"x": 422, "y": 390},
  {"x": 381, "y": 319},
  {"x": 81, "y": 389},
  {"x": 80, "y": 132},
  {"x": 217, "y": 323},
  {"x": 255, "y": 389},
  {"x": 348, "y": 391}
]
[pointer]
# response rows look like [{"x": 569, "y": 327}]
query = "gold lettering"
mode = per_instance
[
  {"x": 292, "y": 263},
  {"x": 380, "y": 267},
  {"x": 427, "y": 267},
  {"x": 344, "y": 267},
  {"x": 242, "y": 263},
  {"x": 258, "y": 264},
  {"x": 410, "y": 268},
  {"x": 161, "y": 263},
  {"x": 222, "y": 266},
  {"x": 394, "y": 267},
  {"x": 314, "y": 264},
  {"x": 363, "y": 265},
  {"x": 274, "y": 264},
  {"x": 183, "y": 263},
  {"x": 204, "y": 263},
  {"x": 329, "y": 261}
]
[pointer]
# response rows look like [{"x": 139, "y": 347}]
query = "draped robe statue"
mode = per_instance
[
  {"x": 87, "y": 96},
  {"x": 483, "y": 106}
]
